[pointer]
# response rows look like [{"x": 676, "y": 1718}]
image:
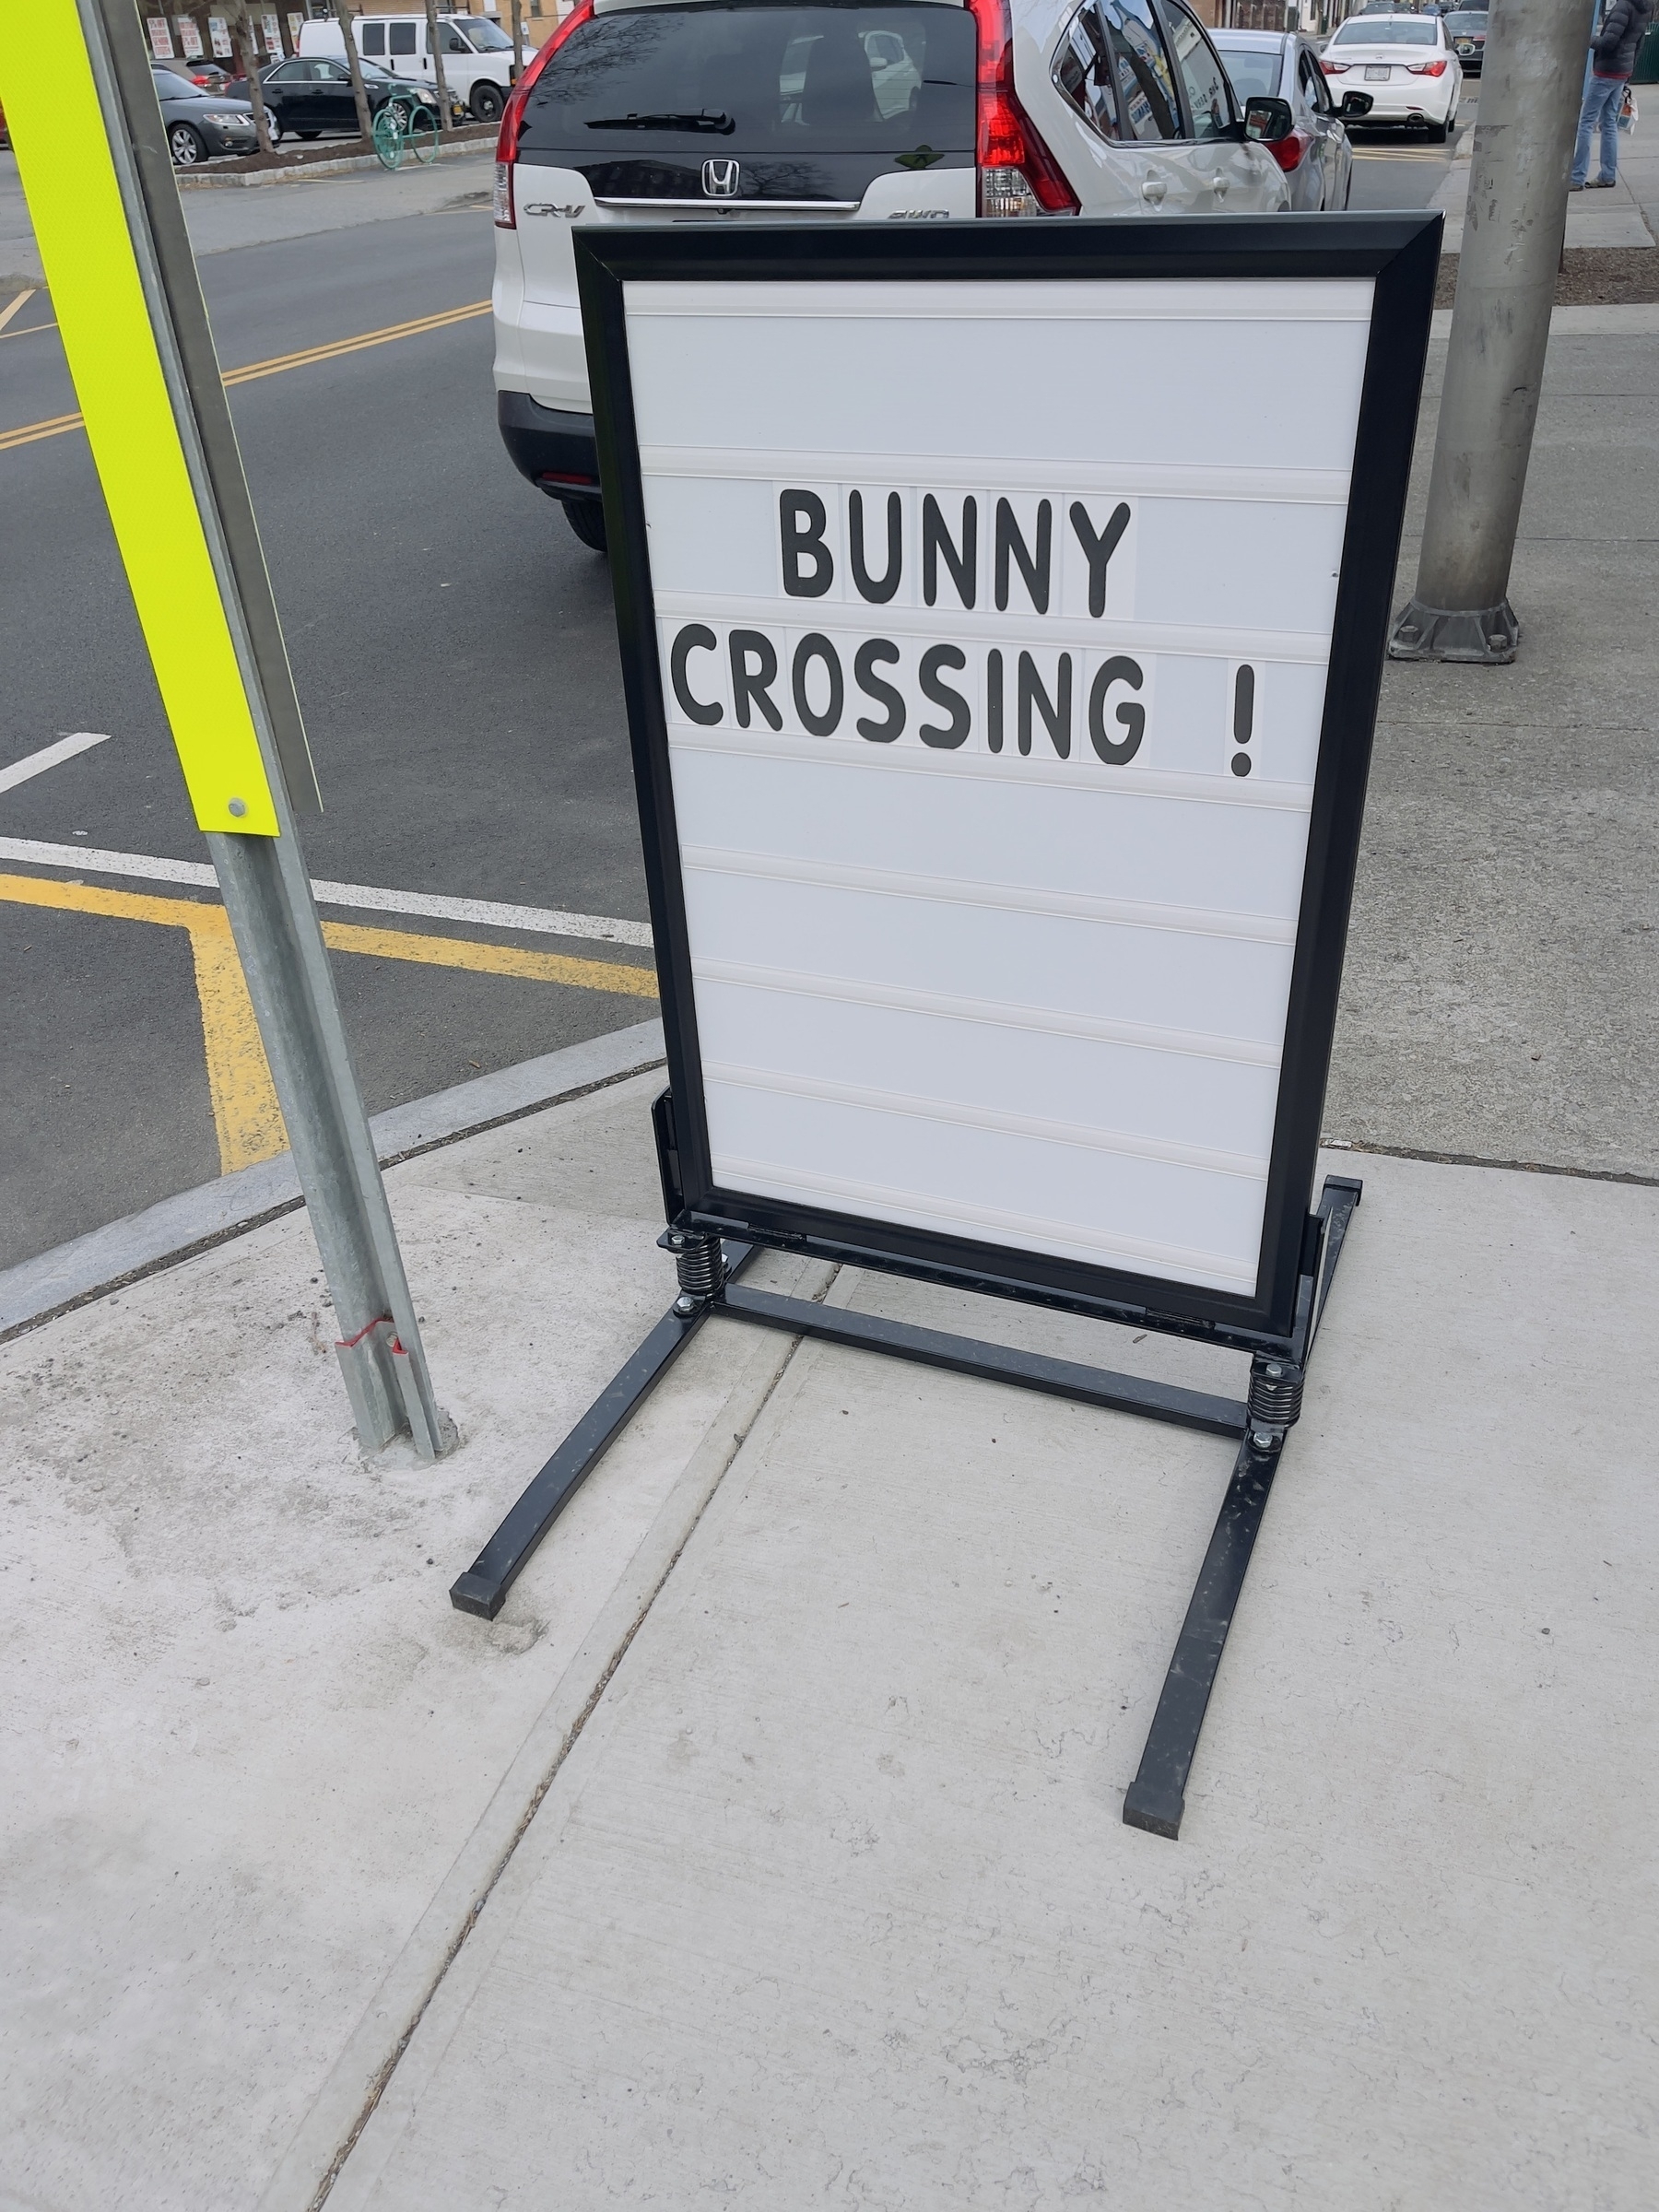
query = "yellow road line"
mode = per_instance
[
  {"x": 491, "y": 960},
  {"x": 246, "y": 1117},
  {"x": 29, "y": 434},
  {"x": 21, "y": 300}
]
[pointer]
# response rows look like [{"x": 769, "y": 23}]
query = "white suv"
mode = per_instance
[{"x": 677, "y": 110}]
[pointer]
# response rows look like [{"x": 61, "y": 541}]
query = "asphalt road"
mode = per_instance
[{"x": 455, "y": 659}]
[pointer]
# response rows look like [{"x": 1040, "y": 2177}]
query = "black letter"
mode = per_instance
[
  {"x": 1098, "y": 551},
  {"x": 993, "y": 699},
  {"x": 801, "y": 525},
  {"x": 863, "y": 668},
  {"x": 1058, "y": 716},
  {"x": 1120, "y": 670},
  {"x": 1008, "y": 540},
  {"x": 935, "y": 689},
  {"x": 935, "y": 539},
  {"x": 817, "y": 648},
  {"x": 751, "y": 683},
  {"x": 878, "y": 593},
  {"x": 1243, "y": 705},
  {"x": 697, "y": 636}
]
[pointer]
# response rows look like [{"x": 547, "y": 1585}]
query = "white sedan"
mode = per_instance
[{"x": 1406, "y": 63}]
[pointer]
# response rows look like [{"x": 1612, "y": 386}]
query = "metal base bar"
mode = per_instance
[
  {"x": 483, "y": 1588},
  {"x": 991, "y": 1362},
  {"x": 1485, "y": 635},
  {"x": 1156, "y": 1800}
]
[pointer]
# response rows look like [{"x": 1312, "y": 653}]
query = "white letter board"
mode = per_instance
[{"x": 987, "y": 628}]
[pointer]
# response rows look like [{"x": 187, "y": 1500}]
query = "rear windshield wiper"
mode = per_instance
[{"x": 722, "y": 124}]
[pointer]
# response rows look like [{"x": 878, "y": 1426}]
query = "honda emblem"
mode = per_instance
[{"x": 719, "y": 180}]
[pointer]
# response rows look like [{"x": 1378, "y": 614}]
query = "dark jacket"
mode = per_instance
[{"x": 1621, "y": 35}]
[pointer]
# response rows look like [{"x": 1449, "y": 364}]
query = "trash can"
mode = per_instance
[{"x": 1646, "y": 71}]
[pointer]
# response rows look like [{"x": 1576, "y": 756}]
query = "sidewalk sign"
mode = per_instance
[{"x": 1001, "y": 622}]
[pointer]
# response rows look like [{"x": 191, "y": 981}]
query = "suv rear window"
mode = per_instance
[{"x": 763, "y": 80}]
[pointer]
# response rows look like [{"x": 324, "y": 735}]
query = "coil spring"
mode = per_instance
[
  {"x": 1275, "y": 1393},
  {"x": 701, "y": 1265}
]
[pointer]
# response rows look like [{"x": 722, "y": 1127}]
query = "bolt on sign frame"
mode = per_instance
[
  {"x": 1001, "y": 622},
  {"x": 80, "y": 101}
]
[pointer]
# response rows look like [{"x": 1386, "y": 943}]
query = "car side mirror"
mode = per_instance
[
  {"x": 1266, "y": 119},
  {"x": 1354, "y": 105}
]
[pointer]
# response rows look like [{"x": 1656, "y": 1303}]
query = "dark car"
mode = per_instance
[
  {"x": 1466, "y": 30},
  {"x": 201, "y": 124},
  {"x": 311, "y": 93}
]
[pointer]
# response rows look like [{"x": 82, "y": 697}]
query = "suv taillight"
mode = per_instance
[
  {"x": 512, "y": 115},
  {"x": 1018, "y": 175}
]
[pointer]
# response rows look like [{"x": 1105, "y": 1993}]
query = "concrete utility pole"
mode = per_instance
[
  {"x": 1531, "y": 89},
  {"x": 346, "y": 17},
  {"x": 435, "y": 47}
]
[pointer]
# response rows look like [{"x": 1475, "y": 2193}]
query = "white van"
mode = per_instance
[{"x": 477, "y": 53}]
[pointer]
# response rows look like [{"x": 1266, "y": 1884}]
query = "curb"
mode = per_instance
[
  {"x": 72, "y": 1275},
  {"x": 341, "y": 165}
]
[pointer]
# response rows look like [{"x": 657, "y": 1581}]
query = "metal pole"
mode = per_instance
[
  {"x": 1531, "y": 85},
  {"x": 266, "y": 889}
]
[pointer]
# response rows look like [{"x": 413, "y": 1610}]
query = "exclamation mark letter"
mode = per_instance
[{"x": 1243, "y": 717}]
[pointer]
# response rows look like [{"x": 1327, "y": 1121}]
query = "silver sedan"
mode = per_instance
[{"x": 1317, "y": 159}]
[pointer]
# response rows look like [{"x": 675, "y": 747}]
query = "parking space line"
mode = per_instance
[
  {"x": 246, "y": 1117},
  {"x": 36, "y": 764},
  {"x": 490, "y": 914},
  {"x": 17, "y": 305},
  {"x": 491, "y": 960},
  {"x": 55, "y": 426}
]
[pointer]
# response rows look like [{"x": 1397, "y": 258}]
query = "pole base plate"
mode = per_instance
[{"x": 1487, "y": 636}]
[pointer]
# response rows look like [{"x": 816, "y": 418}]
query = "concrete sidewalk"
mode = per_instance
[{"x": 767, "y": 1849}]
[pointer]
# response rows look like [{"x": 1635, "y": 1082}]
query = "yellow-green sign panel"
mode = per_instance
[{"x": 61, "y": 138}]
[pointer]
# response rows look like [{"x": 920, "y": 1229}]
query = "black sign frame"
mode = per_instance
[{"x": 1400, "y": 253}]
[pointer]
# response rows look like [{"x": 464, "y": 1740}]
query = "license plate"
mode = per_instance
[{"x": 1375, "y": 74}]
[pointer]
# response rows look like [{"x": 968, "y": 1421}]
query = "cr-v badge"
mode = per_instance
[{"x": 720, "y": 179}]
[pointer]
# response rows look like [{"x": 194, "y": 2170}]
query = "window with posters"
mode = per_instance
[
  {"x": 190, "y": 38},
  {"x": 161, "y": 37},
  {"x": 218, "y": 36}
]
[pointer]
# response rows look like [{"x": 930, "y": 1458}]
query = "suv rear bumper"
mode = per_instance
[{"x": 553, "y": 446}]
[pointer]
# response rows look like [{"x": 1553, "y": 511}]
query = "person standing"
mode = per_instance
[{"x": 1613, "y": 58}]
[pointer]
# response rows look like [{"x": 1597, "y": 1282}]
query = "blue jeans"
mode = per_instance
[{"x": 1601, "y": 105}]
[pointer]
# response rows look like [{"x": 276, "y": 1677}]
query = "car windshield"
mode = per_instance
[
  {"x": 487, "y": 37},
  {"x": 782, "y": 81},
  {"x": 1387, "y": 31},
  {"x": 1254, "y": 71},
  {"x": 1465, "y": 23}
]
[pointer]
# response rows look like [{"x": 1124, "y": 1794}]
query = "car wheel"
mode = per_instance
[
  {"x": 311, "y": 134},
  {"x": 586, "y": 517},
  {"x": 486, "y": 101},
  {"x": 185, "y": 143},
  {"x": 1438, "y": 133}
]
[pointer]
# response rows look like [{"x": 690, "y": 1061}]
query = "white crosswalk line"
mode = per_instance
[{"x": 48, "y": 755}]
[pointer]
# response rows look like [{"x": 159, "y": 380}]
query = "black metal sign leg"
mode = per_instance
[
  {"x": 702, "y": 1266},
  {"x": 1157, "y": 1798}
]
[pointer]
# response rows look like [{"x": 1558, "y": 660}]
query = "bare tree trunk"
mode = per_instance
[
  {"x": 345, "y": 16},
  {"x": 248, "y": 41},
  {"x": 518, "y": 39},
  {"x": 439, "y": 84}
]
